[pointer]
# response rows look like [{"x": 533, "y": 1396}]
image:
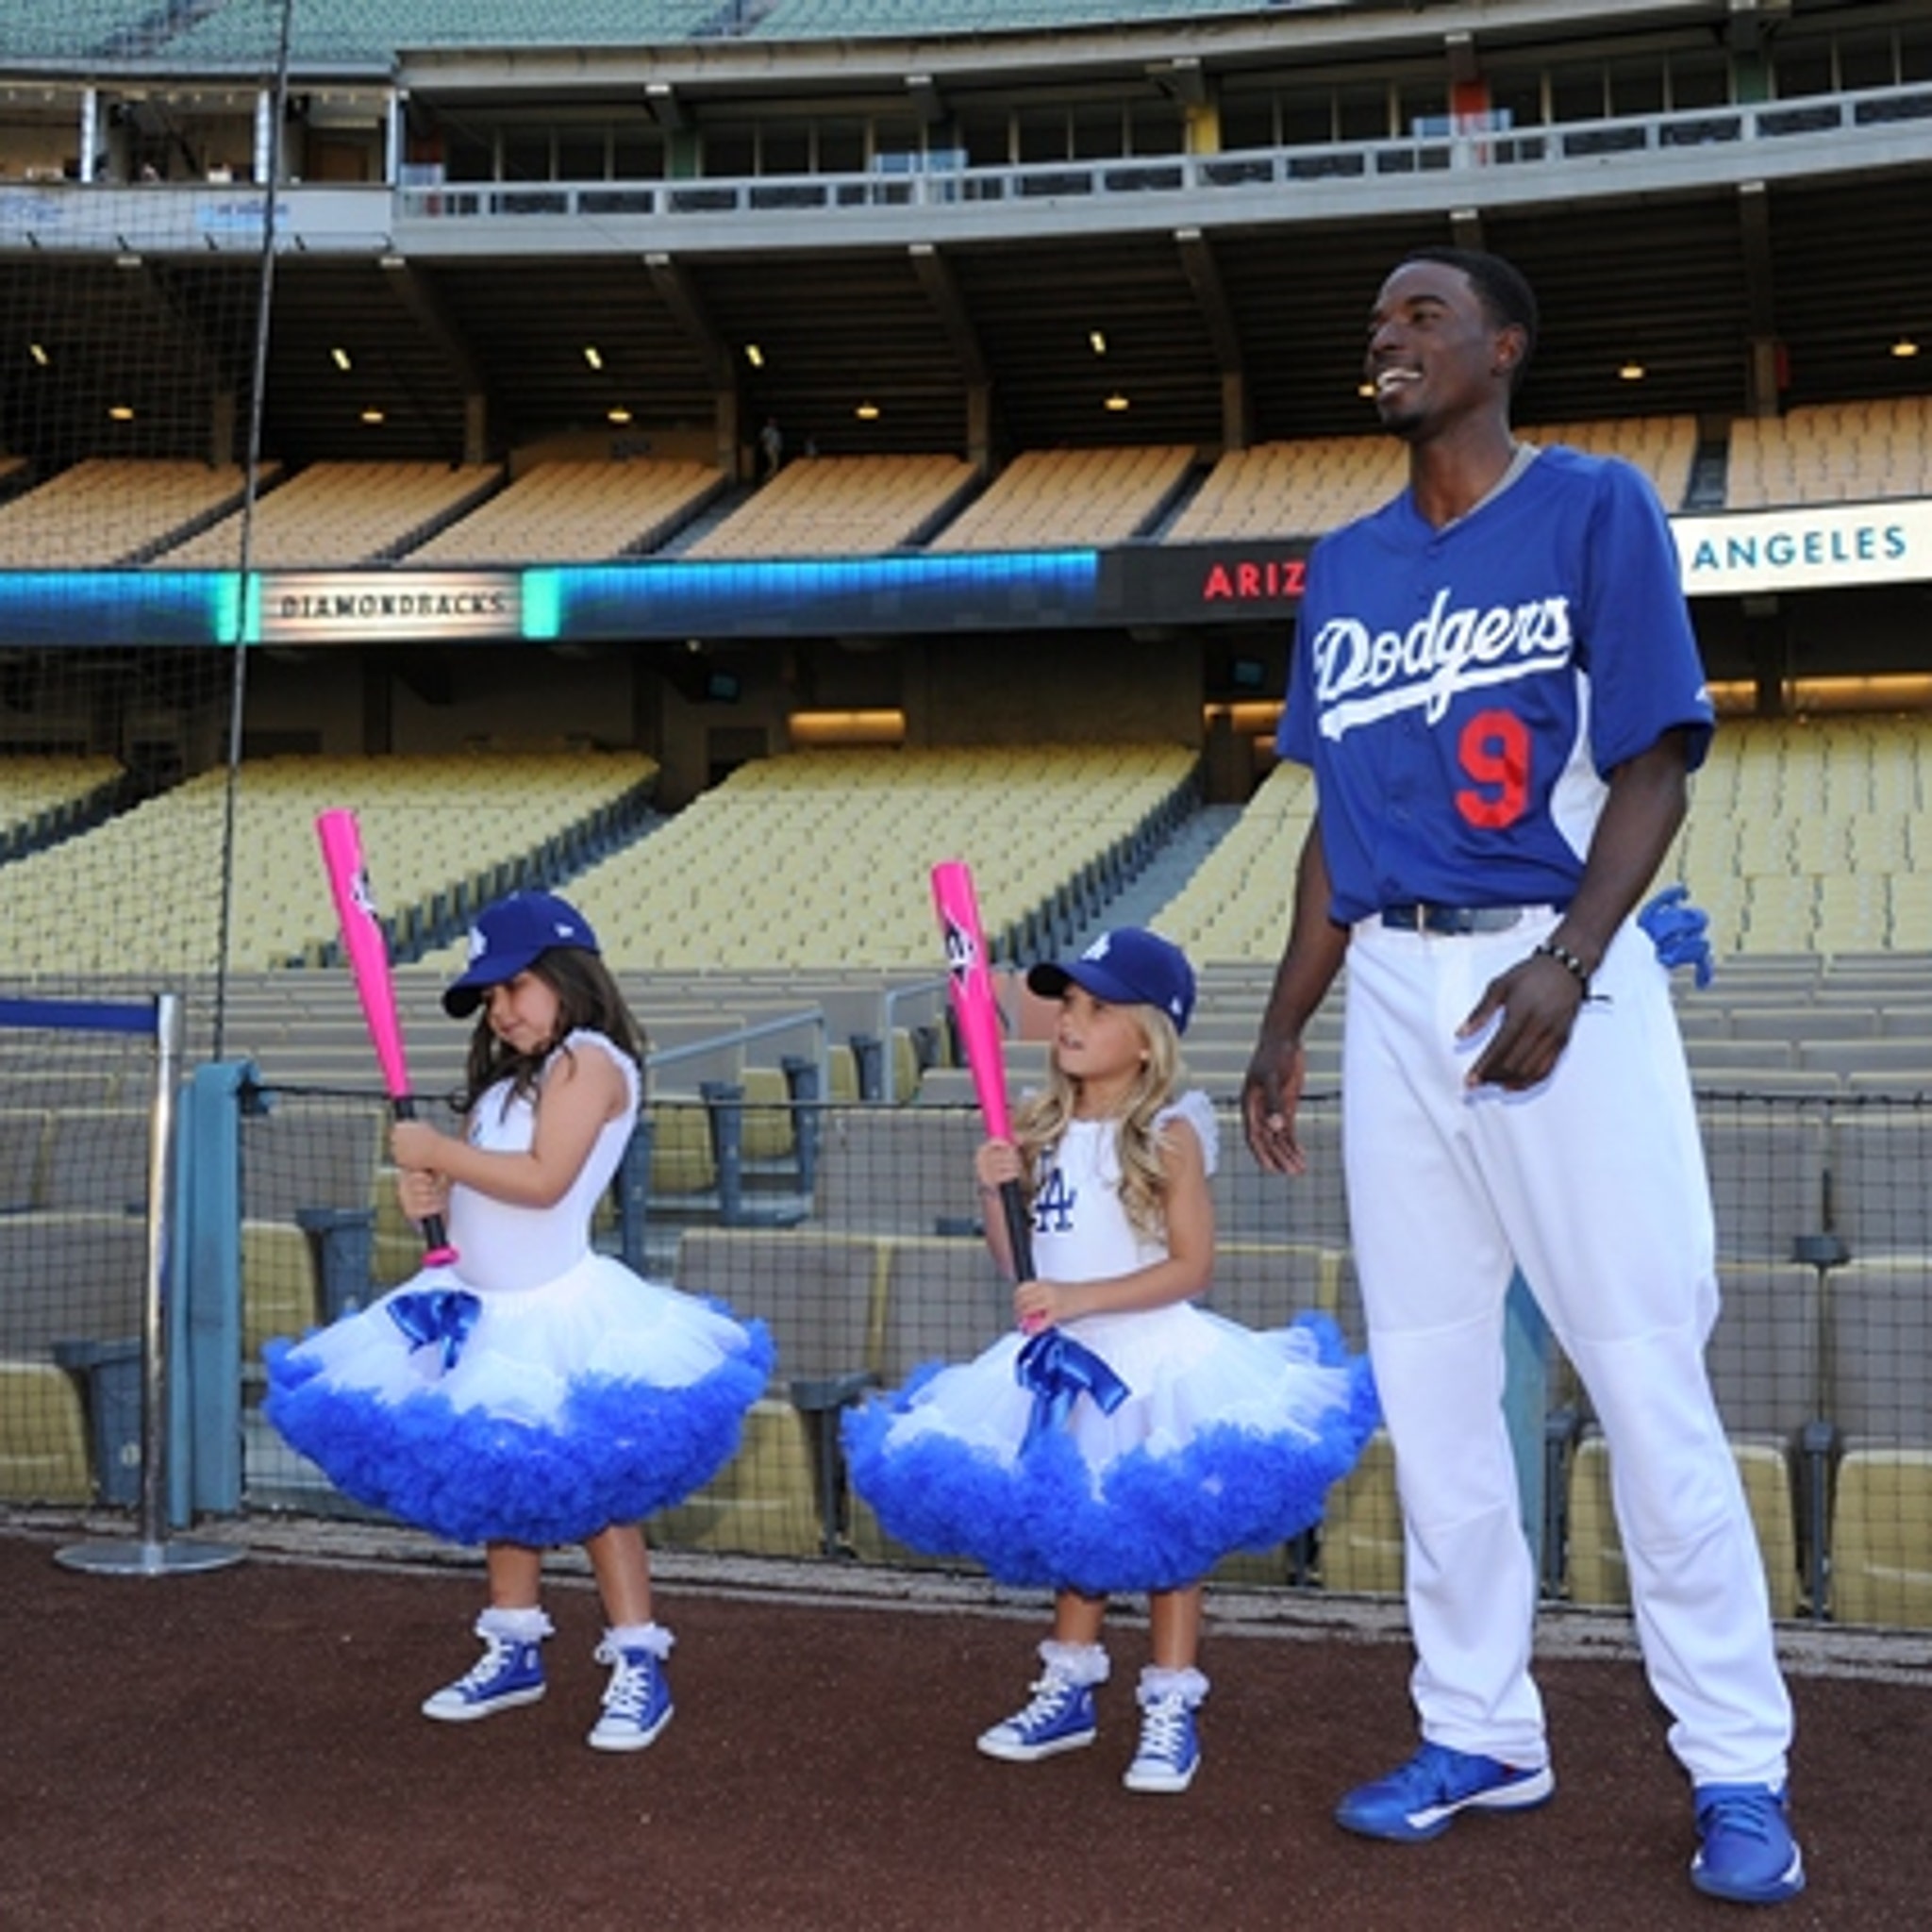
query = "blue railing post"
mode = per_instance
[{"x": 205, "y": 1400}]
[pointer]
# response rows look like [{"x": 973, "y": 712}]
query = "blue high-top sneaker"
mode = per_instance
[
  {"x": 509, "y": 1672},
  {"x": 1061, "y": 1718},
  {"x": 637, "y": 1702}
]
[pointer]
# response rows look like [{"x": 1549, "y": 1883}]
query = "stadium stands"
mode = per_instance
[
  {"x": 1663, "y": 447},
  {"x": 114, "y": 510},
  {"x": 452, "y": 827},
  {"x": 1234, "y": 907},
  {"x": 562, "y": 512},
  {"x": 1291, "y": 489},
  {"x": 1808, "y": 836},
  {"x": 333, "y": 515},
  {"x": 1832, "y": 453},
  {"x": 44, "y": 795},
  {"x": 840, "y": 506},
  {"x": 1069, "y": 497},
  {"x": 820, "y": 859}
]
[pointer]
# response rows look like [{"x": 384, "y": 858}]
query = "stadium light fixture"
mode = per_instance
[
  {"x": 754, "y": 355},
  {"x": 1097, "y": 340},
  {"x": 867, "y": 412},
  {"x": 373, "y": 416},
  {"x": 1905, "y": 348},
  {"x": 340, "y": 357},
  {"x": 39, "y": 351},
  {"x": 618, "y": 414},
  {"x": 1116, "y": 402},
  {"x": 121, "y": 412},
  {"x": 1631, "y": 370},
  {"x": 593, "y": 355}
]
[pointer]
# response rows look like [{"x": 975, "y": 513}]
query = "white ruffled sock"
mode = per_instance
[
  {"x": 1085, "y": 1664},
  {"x": 651, "y": 1637},
  {"x": 515, "y": 1626},
  {"x": 1158, "y": 1682}
]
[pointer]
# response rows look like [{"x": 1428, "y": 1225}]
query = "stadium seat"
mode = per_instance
[
  {"x": 900, "y": 1170},
  {"x": 304, "y": 1155},
  {"x": 1880, "y": 1160},
  {"x": 43, "y": 1435},
  {"x": 1879, "y": 1349},
  {"x": 96, "y": 1159},
  {"x": 1595, "y": 1569},
  {"x": 1882, "y": 1536},
  {"x": 1767, "y": 1164},
  {"x": 1362, "y": 1538},
  {"x": 1266, "y": 1284},
  {"x": 23, "y": 1140},
  {"x": 821, "y": 1295},
  {"x": 279, "y": 1292},
  {"x": 1251, "y": 1206}
]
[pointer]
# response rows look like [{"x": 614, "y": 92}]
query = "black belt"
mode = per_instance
[{"x": 1451, "y": 919}]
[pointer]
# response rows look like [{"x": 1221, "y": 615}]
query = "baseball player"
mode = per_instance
[{"x": 1498, "y": 689}]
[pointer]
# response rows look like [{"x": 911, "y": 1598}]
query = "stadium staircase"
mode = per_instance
[{"x": 1168, "y": 868}]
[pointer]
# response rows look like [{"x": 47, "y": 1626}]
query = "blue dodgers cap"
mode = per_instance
[
  {"x": 1128, "y": 966},
  {"x": 509, "y": 936}
]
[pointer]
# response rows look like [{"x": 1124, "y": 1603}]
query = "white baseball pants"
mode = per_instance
[{"x": 1595, "y": 1183}]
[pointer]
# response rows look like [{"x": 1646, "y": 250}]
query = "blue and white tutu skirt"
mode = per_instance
[
  {"x": 534, "y": 1416},
  {"x": 1225, "y": 1438}
]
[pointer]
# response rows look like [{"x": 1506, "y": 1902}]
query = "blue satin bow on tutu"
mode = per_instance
[
  {"x": 1059, "y": 1370},
  {"x": 429, "y": 1316}
]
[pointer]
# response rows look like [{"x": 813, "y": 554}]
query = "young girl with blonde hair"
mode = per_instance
[{"x": 1120, "y": 1438}]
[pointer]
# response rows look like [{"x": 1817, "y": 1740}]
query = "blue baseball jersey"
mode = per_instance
[{"x": 1461, "y": 692}]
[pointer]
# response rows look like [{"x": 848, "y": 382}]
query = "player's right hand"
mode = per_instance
[
  {"x": 998, "y": 1162},
  {"x": 1270, "y": 1094}
]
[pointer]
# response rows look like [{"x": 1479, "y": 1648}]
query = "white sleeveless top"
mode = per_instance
[
  {"x": 503, "y": 1246},
  {"x": 1080, "y": 1226}
]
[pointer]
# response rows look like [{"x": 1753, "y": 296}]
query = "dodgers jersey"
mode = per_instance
[{"x": 1461, "y": 692}]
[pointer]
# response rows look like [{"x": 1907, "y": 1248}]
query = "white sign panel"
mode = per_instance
[
  {"x": 348, "y": 608},
  {"x": 1806, "y": 549}
]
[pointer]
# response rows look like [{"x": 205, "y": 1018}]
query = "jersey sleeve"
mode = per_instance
[
  {"x": 1198, "y": 1112},
  {"x": 1639, "y": 648}
]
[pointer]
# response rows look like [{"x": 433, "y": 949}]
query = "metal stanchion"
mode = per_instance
[{"x": 154, "y": 1553}]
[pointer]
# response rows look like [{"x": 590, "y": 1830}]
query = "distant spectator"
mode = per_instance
[{"x": 771, "y": 449}]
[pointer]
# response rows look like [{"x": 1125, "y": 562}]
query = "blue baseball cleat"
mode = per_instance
[
  {"x": 1420, "y": 1800},
  {"x": 1747, "y": 1852}
]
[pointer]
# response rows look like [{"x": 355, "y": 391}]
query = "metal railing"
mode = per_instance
[{"x": 1814, "y": 134}]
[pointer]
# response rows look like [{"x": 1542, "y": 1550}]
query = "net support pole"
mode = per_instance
[{"x": 153, "y": 1553}]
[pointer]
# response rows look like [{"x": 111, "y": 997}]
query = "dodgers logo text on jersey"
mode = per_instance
[
  {"x": 1363, "y": 674},
  {"x": 1053, "y": 1206}
]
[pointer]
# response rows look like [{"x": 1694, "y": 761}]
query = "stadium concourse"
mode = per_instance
[{"x": 716, "y": 461}]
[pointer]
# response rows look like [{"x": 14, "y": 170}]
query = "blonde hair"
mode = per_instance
[{"x": 1040, "y": 1122}]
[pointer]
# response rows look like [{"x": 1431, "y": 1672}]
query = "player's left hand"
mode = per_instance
[
  {"x": 1539, "y": 998},
  {"x": 1041, "y": 1304}
]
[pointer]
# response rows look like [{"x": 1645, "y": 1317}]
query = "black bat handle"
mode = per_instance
[
  {"x": 435, "y": 1237},
  {"x": 1019, "y": 1229}
]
